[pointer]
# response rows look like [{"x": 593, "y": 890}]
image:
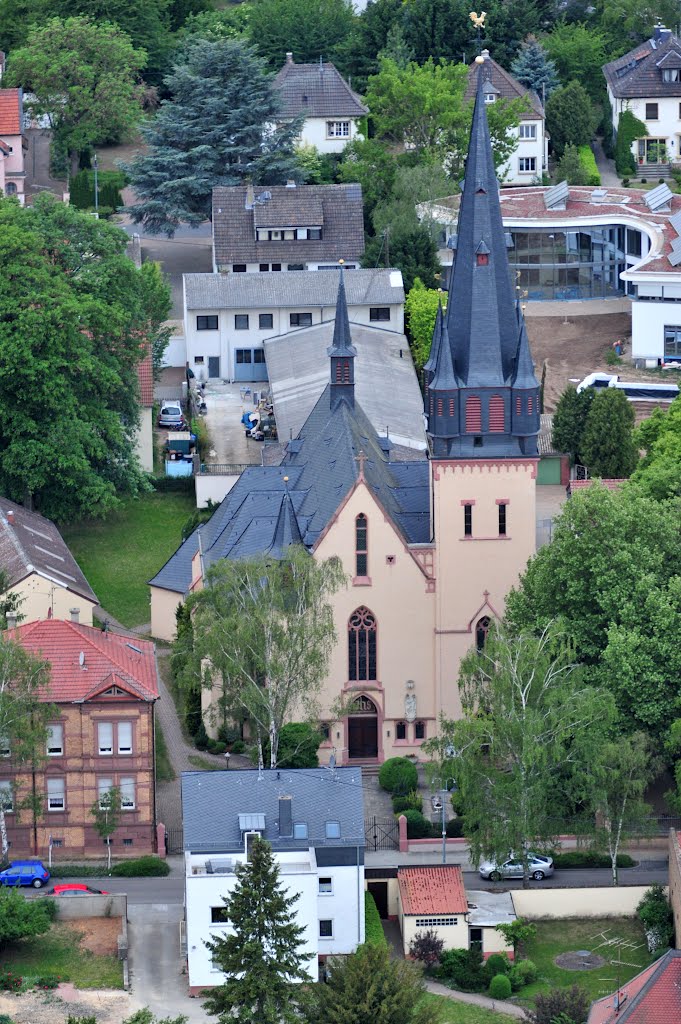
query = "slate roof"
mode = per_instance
[
  {"x": 432, "y": 891},
  {"x": 342, "y": 225},
  {"x": 213, "y": 801},
  {"x": 10, "y": 111},
  {"x": 639, "y": 72},
  {"x": 652, "y": 997},
  {"x": 316, "y": 90},
  {"x": 505, "y": 85},
  {"x": 31, "y": 543},
  {"x": 110, "y": 659},
  {"x": 294, "y": 289}
]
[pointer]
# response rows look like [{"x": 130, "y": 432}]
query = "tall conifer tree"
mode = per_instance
[{"x": 534, "y": 69}]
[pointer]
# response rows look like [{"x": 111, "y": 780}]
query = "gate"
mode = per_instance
[
  {"x": 381, "y": 834},
  {"x": 174, "y": 840}
]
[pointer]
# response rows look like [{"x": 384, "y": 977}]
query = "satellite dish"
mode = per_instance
[{"x": 81, "y": 659}]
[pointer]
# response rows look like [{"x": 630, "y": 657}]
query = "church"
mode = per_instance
[{"x": 431, "y": 544}]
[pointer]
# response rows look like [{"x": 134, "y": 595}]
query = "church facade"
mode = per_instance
[{"x": 431, "y": 545}]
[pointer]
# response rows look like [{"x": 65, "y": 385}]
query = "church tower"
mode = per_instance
[{"x": 482, "y": 414}]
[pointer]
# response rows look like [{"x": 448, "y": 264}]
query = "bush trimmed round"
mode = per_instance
[
  {"x": 418, "y": 827},
  {"x": 398, "y": 775},
  {"x": 500, "y": 987},
  {"x": 498, "y": 963}
]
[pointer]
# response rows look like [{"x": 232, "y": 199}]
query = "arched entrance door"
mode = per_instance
[{"x": 363, "y": 729}]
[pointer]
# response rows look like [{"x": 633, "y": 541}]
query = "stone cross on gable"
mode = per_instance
[{"x": 361, "y": 459}]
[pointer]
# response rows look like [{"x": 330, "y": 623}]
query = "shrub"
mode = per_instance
[
  {"x": 412, "y": 801},
  {"x": 373, "y": 929},
  {"x": 629, "y": 128},
  {"x": 10, "y": 982},
  {"x": 228, "y": 734},
  {"x": 47, "y": 981},
  {"x": 201, "y": 737},
  {"x": 238, "y": 747},
  {"x": 21, "y": 918},
  {"x": 656, "y": 915},
  {"x": 298, "y": 746},
  {"x": 516, "y": 979},
  {"x": 81, "y": 1020},
  {"x": 588, "y": 162},
  {"x": 590, "y": 859},
  {"x": 497, "y": 963},
  {"x": 4, "y": 1019},
  {"x": 571, "y": 1004},
  {"x": 463, "y": 967},
  {"x": 398, "y": 775},
  {"x": 418, "y": 827},
  {"x": 427, "y": 947},
  {"x": 455, "y": 828},
  {"x": 142, "y": 867},
  {"x": 500, "y": 987},
  {"x": 644, "y": 181},
  {"x": 626, "y": 182},
  {"x": 216, "y": 747},
  {"x": 527, "y": 969}
]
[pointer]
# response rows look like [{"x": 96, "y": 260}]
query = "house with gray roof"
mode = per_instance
[
  {"x": 228, "y": 317},
  {"x": 333, "y": 112},
  {"x": 313, "y": 820},
  {"x": 281, "y": 228},
  {"x": 40, "y": 569},
  {"x": 647, "y": 82}
]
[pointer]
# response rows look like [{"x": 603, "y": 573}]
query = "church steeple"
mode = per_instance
[
  {"x": 342, "y": 352},
  {"x": 483, "y": 325}
]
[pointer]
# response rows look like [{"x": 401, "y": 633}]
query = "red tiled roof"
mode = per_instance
[
  {"x": 109, "y": 659},
  {"x": 432, "y": 890},
  {"x": 652, "y": 997},
  {"x": 611, "y": 485},
  {"x": 10, "y": 112},
  {"x": 145, "y": 376}
]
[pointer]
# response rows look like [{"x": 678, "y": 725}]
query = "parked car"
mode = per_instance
[
  {"x": 74, "y": 889},
  {"x": 171, "y": 416},
  {"x": 539, "y": 866},
  {"x": 25, "y": 872}
]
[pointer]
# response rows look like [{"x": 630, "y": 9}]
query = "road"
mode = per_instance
[{"x": 169, "y": 891}]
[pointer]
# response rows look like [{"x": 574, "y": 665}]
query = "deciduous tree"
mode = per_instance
[
  {"x": 659, "y": 471},
  {"x": 529, "y": 718},
  {"x": 84, "y": 77},
  {"x": 261, "y": 955},
  {"x": 217, "y": 128},
  {"x": 578, "y": 52},
  {"x": 106, "y": 811},
  {"x": 420, "y": 311},
  {"x": 607, "y": 444},
  {"x": 265, "y": 629},
  {"x": 311, "y": 29},
  {"x": 561, "y": 1006}
]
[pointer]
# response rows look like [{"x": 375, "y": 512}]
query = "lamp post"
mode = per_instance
[
  {"x": 95, "y": 165},
  {"x": 448, "y": 786}
]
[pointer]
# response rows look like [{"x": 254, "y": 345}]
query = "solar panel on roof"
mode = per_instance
[
  {"x": 251, "y": 822},
  {"x": 555, "y": 198},
  {"x": 658, "y": 199},
  {"x": 676, "y": 244},
  {"x": 675, "y": 257},
  {"x": 675, "y": 222}
]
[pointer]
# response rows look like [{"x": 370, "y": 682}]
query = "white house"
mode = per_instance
[
  {"x": 286, "y": 228},
  {"x": 12, "y": 144},
  {"x": 314, "y": 821},
  {"x": 647, "y": 81},
  {"x": 332, "y": 111},
  {"x": 228, "y": 317},
  {"x": 530, "y": 156}
]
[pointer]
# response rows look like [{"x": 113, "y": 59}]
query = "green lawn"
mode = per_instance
[
  {"x": 59, "y": 953},
  {"x": 119, "y": 554},
  {"x": 555, "y": 937},
  {"x": 446, "y": 1011}
]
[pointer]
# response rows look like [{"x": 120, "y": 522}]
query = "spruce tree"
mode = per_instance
[
  {"x": 534, "y": 69},
  {"x": 215, "y": 129},
  {"x": 262, "y": 955},
  {"x": 608, "y": 447},
  {"x": 368, "y": 987}
]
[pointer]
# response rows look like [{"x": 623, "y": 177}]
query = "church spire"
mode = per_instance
[
  {"x": 342, "y": 352},
  {"x": 287, "y": 531},
  {"x": 482, "y": 323}
]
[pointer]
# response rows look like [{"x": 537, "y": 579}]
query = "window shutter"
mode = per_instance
[
  {"x": 473, "y": 416},
  {"x": 105, "y": 737},
  {"x": 125, "y": 737},
  {"x": 496, "y": 414}
]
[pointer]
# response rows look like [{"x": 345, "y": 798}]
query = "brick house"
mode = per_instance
[{"x": 104, "y": 686}]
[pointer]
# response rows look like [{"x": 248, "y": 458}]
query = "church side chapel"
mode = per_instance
[{"x": 431, "y": 545}]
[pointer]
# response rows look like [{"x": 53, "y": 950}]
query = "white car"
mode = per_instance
[{"x": 539, "y": 867}]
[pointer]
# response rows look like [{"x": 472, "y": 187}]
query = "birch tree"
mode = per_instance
[
  {"x": 530, "y": 725},
  {"x": 106, "y": 810},
  {"x": 24, "y": 713},
  {"x": 264, "y": 631}
]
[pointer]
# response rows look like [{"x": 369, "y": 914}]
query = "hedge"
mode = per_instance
[
  {"x": 590, "y": 859},
  {"x": 142, "y": 867},
  {"x": 588, "y": 162},
  {"x": 418, "y": 826},
  {"x": 629, "y": 128},
  {"x": 373, "y": 929},
  {"x": 398, "y": 775}
]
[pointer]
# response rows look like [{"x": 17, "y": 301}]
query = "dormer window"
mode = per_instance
[
  {"x": 671, "y": 75},
  {"x": 489, "y": 97}
]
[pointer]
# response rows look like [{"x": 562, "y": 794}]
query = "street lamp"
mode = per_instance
[
  {"x": 448, "y": 786},
  {"x": 95, "y": 165}
]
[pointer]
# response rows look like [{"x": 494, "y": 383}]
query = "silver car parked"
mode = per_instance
[{"x": 539, "y": 867}]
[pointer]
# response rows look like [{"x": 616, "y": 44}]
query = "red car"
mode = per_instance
[{"x": 74, "y": 889}]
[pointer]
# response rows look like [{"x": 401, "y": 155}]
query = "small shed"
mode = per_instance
[
  {"x": 433, "y": 898},
  {"x": 485, "y": 911},
  {"x": 554, "y": 466}
]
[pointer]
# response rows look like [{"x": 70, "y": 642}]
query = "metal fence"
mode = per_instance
[
  {"x": 174, "y": 840},
  {"x": 223, "y": 468},
  {"x": 381, "y": 834}
]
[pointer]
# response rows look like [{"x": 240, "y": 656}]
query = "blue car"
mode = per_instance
[{"x": 25, "y": 872}]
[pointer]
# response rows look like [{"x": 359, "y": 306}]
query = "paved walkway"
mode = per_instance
[
  {"x": 606, "y": 167},
  {"x": 495, "y": 1005}
]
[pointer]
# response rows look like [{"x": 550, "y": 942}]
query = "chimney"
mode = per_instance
[
  {"x": 485, "y": 54},
  {"x": 661, "y": 33},
  {"x": 10, "y": 516},
  {"x": 289, "y": 58},
  {"x": 75, "y": 614},
  {"x": 11, "y": 620},
  {"x": 285, "y": 816},
  {"x": 290, "y": 183}
]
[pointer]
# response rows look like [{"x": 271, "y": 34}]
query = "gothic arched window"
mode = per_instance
[
  {"x": 361, "y": 646},
  {"x": 481, "y": 631},
  {"x": 361, "y": 545}
]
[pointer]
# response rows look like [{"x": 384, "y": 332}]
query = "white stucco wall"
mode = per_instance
[
  {"x": 163, "y": 607},
  {"x": 211, "y": 487},
  {"x": 453, "y": 936},
  {"x": 314, "y": 133},
  {"x": 666, "y": 126},
  {"x": 509, "y": 173},
  {"x": 648, "y": 321},
  {"x": 41, "y": 598},
  {"x": 537, "y": 904}
]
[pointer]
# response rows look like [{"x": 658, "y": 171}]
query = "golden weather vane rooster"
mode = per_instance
[{"x": 478, "y": 19}]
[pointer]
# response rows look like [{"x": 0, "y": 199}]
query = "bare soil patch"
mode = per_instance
[
  {"x": 99, "y": 934},
  {"x": 51, "y": 1007},
  {"x": 579, "y": 960}
]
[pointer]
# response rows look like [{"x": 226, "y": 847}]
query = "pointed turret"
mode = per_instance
[
  {"x": 525, "y": 393},
  {"x": 481, "y": 318},
  {"x": 443, "y": 399},
  {"x": 431, "y": 362},
  {"x": 342, "y": 352},
  {"x": 287, "y": 531}
]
